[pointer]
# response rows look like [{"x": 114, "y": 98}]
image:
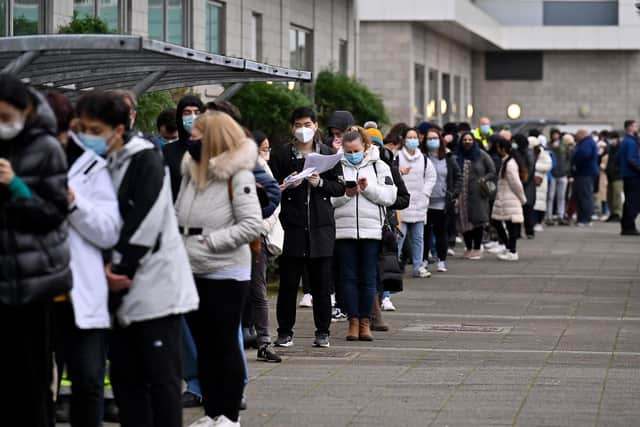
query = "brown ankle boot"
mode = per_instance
[
  {"x": 378, "y": 324},
  {"x": 365, "y": 330},
  {"x": 354, "y": 329}
]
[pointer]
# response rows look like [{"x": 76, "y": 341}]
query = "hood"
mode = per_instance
[
  {"x": 132, "y": 147},
  {"x": 411, "y": 157},
  {"x": 44, "y": 120},
  {"x": 187, "y": 101},
  {"x": 340, "y": 120},
  {"x": 372, "y": 155},
  {"x": 227, "y": 164}
]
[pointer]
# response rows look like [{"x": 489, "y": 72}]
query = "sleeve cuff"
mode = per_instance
[{"x": 19, "y": 189}]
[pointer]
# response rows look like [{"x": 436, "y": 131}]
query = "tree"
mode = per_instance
[
  {"x": 85, "y": 25},
  {"x": 267, "y": 107},
  {"x": 335, "y": 91}
]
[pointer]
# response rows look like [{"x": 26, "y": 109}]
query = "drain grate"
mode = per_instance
[
  {"x": 457, "y": 328},
  {"x": 316, "y": 353}
]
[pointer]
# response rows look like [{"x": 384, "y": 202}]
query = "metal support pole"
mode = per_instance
[
  {"x": 144, "y": 85},
  {"x": 230, "y": 91},
  {"x": 21, "y": 62}
]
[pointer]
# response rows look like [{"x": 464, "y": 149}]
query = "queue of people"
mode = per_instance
[{"x": 117, "y": 248}]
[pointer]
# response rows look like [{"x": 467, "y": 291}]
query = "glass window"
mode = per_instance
[
  {"x": 300, "y": 49},
  {"x": 26, "y": 17},
  {"x": 4, "y": 18},
  {"x": 256, "y": 37},
  {"x": 84, "y": 7},
  {"x": 215, "y": 27},
  {"x": 580, "y": 13},
  {"x": 445, "y": 106},
  {"x": 456, "y": 107},
  {"x": 418, "y": 82},
  {"x": 174, "y": 13},
  {"x": 156, "y": 19},
  {"x": 344, "y": 56},
  {"x": 513, "y": 65},
  {"x": 433, "y": 94},
  {"x": 166, "y": 21},
  {"x": 109, "y": 12}
]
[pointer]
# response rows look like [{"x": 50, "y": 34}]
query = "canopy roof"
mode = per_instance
[{"x": 76, "y": 63}]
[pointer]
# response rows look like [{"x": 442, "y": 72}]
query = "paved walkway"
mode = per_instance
[{"x": 552, "y": 340}]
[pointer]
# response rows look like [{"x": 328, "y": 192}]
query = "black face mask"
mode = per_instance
[{"x": 194, "y": 147}]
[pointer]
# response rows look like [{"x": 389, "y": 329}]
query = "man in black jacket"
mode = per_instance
[
  {"x": 614, "y": 177},
  {"x": 309, "y": 228}
]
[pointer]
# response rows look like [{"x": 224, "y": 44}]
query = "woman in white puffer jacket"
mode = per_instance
[
  {"x": 359, "y": 216},
  {"x": 543, "y": 167}
]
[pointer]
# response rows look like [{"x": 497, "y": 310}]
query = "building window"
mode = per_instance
[
  {"x": 166, "y": 20},
  {"x": 580, "y": 13},
  {"x": 433, "y": 94},
  {"x": 343, "y": 63},
  {"x": 27, "y": 18},
  {"x": 456, "y": 106},
  {"x": 107, "y": 10},
  {"x": 4, "y": 18},
  {"x": 300, "y": 49},
  {"x": 445, "y": 103},
  {"x": 215, "y": 27},
  {"x": 256, "y": 37},
  {"x": 513, "y": 65},
  {"x": 418, "y": 90}
]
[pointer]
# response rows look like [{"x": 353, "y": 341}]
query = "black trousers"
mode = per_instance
[
  {"x": 83, "y": 352},
  {"x": 320, "y": 277},
  {"x": 510, "y": 236},
  {"x": 529, "y": 219},
  {"x": 215, "y": 330},
  {"x": 146, "y": 372},
  {"x": 473, "y": 238},
  {"x": 631, "y": 207},
  {"x": 27, "y": 361},
  {"x": 436, "y": 223}
]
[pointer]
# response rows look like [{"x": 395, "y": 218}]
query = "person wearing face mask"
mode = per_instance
[
  {"x": 338, "y": 123},
  {"x": 309, "y": 228},
  {"x": 188, "y": 109},
  {"x": 82, "y": 318},
  {"x": 34, "y": 254},
  {"x": 443, "y": 196},
  {"x": 478, "y": 175},
  {"x": 527, "y": 173},
  {"x": 359, "y": 220},
  {"x": 483, "y": 132},
  {"x": 167, "y": 127},
  {"x": 559, "y": 182},
  {"x": 149, "y": 276},
  {"x": 420, "y": 177}
]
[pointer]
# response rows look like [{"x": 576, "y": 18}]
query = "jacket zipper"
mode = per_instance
[{"x": 357, "y": 207}]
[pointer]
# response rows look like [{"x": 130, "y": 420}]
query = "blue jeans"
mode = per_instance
[
  {"x": 415, "y": 232},
  {"x": 190, "y": 361},
  {"x": 358, "y": 268}
]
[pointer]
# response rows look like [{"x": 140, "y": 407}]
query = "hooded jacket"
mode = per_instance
[
  {"x": 150, "y": 250},
  {"x": 420, "y": 182},
  {"x": 34, "y": 252},
  {"x": 362, "y": 216},
  {"x": 227, "y": 225},
  {"x": 510, "y": 196}
]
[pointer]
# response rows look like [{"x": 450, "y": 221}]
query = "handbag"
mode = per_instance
[
  {"x": 488, "y": 188},
  {"x": 274, "y": 241},
  {"x": 389, "y": 268}
]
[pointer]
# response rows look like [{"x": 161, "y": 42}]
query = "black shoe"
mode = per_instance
[
  {"x": 613, "y": 218},
  {"x": 266, "y": 353},
  {"x": 322, "y": 340},
  {"x": 63, "y": 408},
  {"x": 284, "y": 341},
  {"x": 243, "y": 403},
  {"x": 111, "y": 411},
  {"x": 631, "y": 232},
  {"x": 563, "y": 221},
  {"x": 190, "y": 400},
  {"x": 531, "y": 236}
]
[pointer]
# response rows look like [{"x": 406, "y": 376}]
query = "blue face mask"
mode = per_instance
[
  {"x": 433, "y": 144},
  {"x": 95, "y": 143},
  {"x": 187, "y": 122},
  {"x": 412, "y": 143},
  {"x": 354, "y": 158},
  {"x": 485, "y": 129}
]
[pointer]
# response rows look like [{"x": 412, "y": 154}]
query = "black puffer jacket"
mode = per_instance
[
  {"x": 34, "y": 255},
  {"x": 307, "y": 213}
]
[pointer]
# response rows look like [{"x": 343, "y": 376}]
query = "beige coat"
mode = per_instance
[{"x": 510, "y": 196}]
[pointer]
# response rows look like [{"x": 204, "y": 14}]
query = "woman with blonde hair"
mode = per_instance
[{"x": 219, "y": 215}]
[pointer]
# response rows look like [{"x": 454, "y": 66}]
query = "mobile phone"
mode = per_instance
[{"x": 350, "y": 184}]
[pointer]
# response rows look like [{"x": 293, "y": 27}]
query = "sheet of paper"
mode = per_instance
[
  {"x": 302, "y": 175},
  {"x": 322, "y": 162}
]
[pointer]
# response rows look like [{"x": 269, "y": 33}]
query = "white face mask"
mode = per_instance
[
  {"x": 10, "y": 130},
  {"x": 304, "y": 135}
]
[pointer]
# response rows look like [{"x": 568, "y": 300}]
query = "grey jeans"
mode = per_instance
[{"x": 557, "y": 193}]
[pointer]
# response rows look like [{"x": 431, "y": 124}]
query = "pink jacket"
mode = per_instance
[{"x": 510, "y": 196}]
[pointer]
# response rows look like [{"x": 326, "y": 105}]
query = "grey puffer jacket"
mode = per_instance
[
  {"x": 34, "y": 252},
  {"x": 225, "y": 227}
]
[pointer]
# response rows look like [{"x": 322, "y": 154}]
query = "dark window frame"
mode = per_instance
[{"x": 514, "y": 65}]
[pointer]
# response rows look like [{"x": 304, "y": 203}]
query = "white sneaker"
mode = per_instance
[
  {"x": 203, "y": 422},
  {"x": 491, "y": 245},
  {"x": 508, "y": 256},
  {"x": 422, "y": 273},
  {"x": 387, "y": 305},
  {"x": 458, "y": 239},
  {"x": 333, "y": 300},
  {"x": 497, "y": 249},
  {"x": 451, "y": 252},
  {"x": 222, "y": 421},
  {"x": 442, "y": 267},
  {"x": 538, "y": 228},
  {"x": 306, "y": 301}
]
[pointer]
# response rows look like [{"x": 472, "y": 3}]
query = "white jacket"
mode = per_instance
[
  {"x": 95, "y": 226},
  {"x": 420, "y": 182},
  {"x": 362, "y": 216},
  {"x": 543, "y": 166}
]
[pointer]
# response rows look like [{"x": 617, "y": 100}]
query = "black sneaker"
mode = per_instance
[
  {"x": 267, "y": 354},
  {"x": 190, "y": 400},
  {"x": 630, "y": 232},
  {"x": 63, "y": 408},
  {"x": 111, "y": 411},
  {"x": 338, "y": 316},
  {"x": 284, "y": 341},
  {"x": 322, "y": 340}
]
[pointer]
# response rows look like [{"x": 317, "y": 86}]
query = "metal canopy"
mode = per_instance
[{"x": 74, "y": 63}]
